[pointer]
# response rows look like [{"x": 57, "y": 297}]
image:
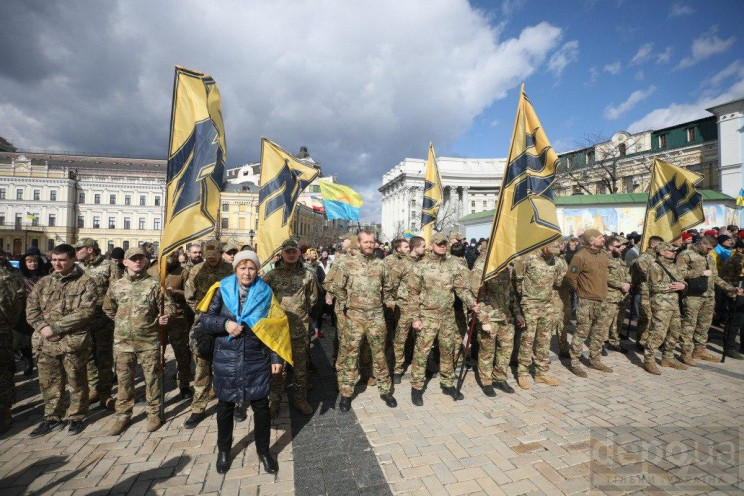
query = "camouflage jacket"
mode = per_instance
[
  {"x": 499, "y": 300},
  {"x": 403, "y": 297},
  {"x": 639, "y": 270},
  {"x": 296, "y": 289},
  {"x": 12, "y": 301},
  {"x": 201, "y": 278},
  {"x": 691, "y": 263},
  {"x": 536, "y": 277},
  {"x": 135, "y": 305},
  {"x": 617, "y": 275},
  {"x": 434, "y": 282},
  {"x": 332, "y": 273},
  {"x": 731, "y": 271},
  {"x": 659, "y": 280},
  {"x": 65, "y": 303},
  {"x": 397, "y": 265},
  {"x": 104, "y": 273},
  {"x": 561, "y": 291},
  {"x": 175, "y": 299},
  {"x": 361, "y": 283}
]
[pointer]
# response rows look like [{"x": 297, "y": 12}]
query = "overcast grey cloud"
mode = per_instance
[{"x": 363, "y": 85}]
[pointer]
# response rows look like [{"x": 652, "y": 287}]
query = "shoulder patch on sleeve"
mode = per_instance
[{"x": 574, "y": 269}]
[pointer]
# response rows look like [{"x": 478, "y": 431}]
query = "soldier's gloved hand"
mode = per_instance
[
  {"x": 521, "y": 322},
  {"x": 162, "y": 319},
  {"x": 417, "y": 325}
]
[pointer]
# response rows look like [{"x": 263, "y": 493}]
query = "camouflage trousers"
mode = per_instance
[
  {"x": 591, "y": 323},
  {"x": 696, "y": 321},
  {"x": 101, "y": 359},
  {"x": 54, "y": 371},
  {"x": 301, "y": 358},
  {"x": 644, "y": 318},
  {"x": 537, "y": 333},
  {"x": 665, "y": 327},
  {"x": 501, "y": 346},
  {"x": 403, "y": 332},
  {"x": 7, "y": 379},
  {"x": 616, "y": 316},
  {"x": 360, "y": 324},
  {"x": 202, "y": 384},
  {"x": 126, "y": 363},
  {"x": 445, "y": 328},
  {"x": 563, "y": 310},
  {"x": 177, "y": 333}
]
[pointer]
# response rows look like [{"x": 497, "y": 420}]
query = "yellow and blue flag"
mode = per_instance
[
  {"x": 283, "y": 178},
  {"x": 261, "y": 312},
  {"x": 674, "y": 205},
  {"x": 432, "y": 196},
  {"x": 340, "y": 202},
  {"x": 740, "y": 198},
  {"x": 525, "y": 217},
  {"x": 196, "y": 160}
]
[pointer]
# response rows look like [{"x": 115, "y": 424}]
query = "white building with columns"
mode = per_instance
[
  {"x": 730, "y": 117},
  {"x": 469, "y": 185}
]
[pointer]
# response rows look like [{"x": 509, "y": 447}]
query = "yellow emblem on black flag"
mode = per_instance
[
  {"x": 283, "y": 178},
  {"x": 432, "y": 196},
  {"x": 674, "y": 204},
  {"x": 196, "y": 160},
  {"x": 525, "y": 217}
]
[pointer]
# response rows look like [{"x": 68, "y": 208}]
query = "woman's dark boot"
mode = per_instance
[{"x": 223, "y": 462}]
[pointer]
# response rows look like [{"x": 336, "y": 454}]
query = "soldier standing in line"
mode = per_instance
[
  {"x": 561, "y": 303},
  {"x": 698, "y": 308},
  {"x": 228, "y": 252},
  {"x": 406, "y": 310},
  {"x": 664, "y": 284},
  {"x": 496, "y": 334},
  {"x": 12, "y": 300},
  {"x": 60, "y": 309},
  {"x": 434, "y": 281},
  {"x": 296, "y": 289},
  {"x": 101, "y": 360},
  {"x": 135, "y": 306},
  {"x": 587, "y": 275},
  {"x": 618, "y": 286},
  {"x": 639, "y": 280},
  {"x": 347, "y": 245},
  {"x": 536, "y": 276},
  {"x": 200, "y": 279},
  {"x": 180, "y": 318},
  {"x": 397, "y": 264},
  {"x": 362, "y": 286}
]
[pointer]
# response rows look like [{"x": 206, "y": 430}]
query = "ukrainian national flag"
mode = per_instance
[
  {"x": 196, "y": 159},
  {"x": 432, "y": 196},
  {"x": 283, "y": 178},
  {"x": 740, "y": 198},
  {"x": 674, "y": 204},
  {"x": 525, "y": 217},
  {"x": 261, "y": 312},
  {"x": 341, "y": 202}
]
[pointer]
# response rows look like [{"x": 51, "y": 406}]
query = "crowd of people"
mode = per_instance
[{"x": 86, "y": 319}]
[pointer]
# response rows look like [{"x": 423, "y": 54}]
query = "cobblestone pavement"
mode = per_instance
[{"x": 622, "y": 433}]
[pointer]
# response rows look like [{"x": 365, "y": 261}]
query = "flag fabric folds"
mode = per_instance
[
  {"x": 317, "y": 202},
  {"x": 341, "y": 202},
  {"x": 674, "y": 204},
  {"x": 283, "y": 178},
  {"x": 432, "y": 196},
  {"x": 525, "y": 217},
  {"x": 740, "y": 198},
  {"x": 196, "y": 160}
]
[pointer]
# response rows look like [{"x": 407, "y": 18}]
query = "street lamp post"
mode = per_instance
[{"x": 251, "y": 233}]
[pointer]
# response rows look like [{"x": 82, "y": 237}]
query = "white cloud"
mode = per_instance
[
  {"x": 643, "y": 54},
  {"x": 613, "y": 68},
  {"x": 495, "y": 123},
  {"x": 665, "y": 56},
  {"x": 680, "y": 9},
  {"x": 635, "y": 98},
  {"x": 735, "y": 68},
  {"x": 705, "y": 46},
  {"x": 567, "y": 54},
  {"x": 639, "y": 76},
  {"x": 593, "y": 75}
]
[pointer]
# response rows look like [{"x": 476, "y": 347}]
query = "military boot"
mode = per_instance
[
  {"x": 417, "y": 397},
  {"x": 523, "y": 381},
  {"x": 598, "y": 365},
  {"x": 6, "y": 420},
  {"x": 93, "y": 397},
  {"x": 673, "y": 363},
  {"x": 734, "y": 354},
  {"x": 687, "y": 359},
  {"x": 303, "y": 407},
  {"x": 578, "y": 370},
  {"x": 701, "y": 353},
  {"x": 651, "y": 368},
  {"x": 153, "y": 423},
  {"x": 109, "y": 404},
  {"x": 546, "y": 379},
  {"x": 119, "y": 426}
]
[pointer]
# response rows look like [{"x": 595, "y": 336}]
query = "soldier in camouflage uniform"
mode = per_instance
[
  {"x": 496, "y": 333},
  {"x": 201, "y": 278},
  {"x": 638, "y": 276},
  {"x": 12, "y": 300},
  {"x": 180, "y": 318},
  {"x": 397, "y": 264},
  {"x": 536, "y": 276},
  {"x": 434, "y": 281},
  {"x": 135, "y": 305},
  {"x": 562, "y": 305},
  {"x": 296, "y": 289},
  {"x": 101, "y": 360},
  {"x": 407, "y": 312},
  {"x": 60, "y": 309},
  {"x": 732, "y": 271},
  {"x": 194, "y": 254},
  {"x": 618, "y": 286},
  {"x": 361, "y": 286},
  {"x": 697, "y": 314},
  {"x": 664, "y": 283}
]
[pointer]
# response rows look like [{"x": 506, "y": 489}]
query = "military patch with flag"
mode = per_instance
[{"x": 432, "y": 196}]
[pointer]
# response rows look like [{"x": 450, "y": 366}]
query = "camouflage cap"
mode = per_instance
[
  {"x": 230, "y": 247},
  {"x": 87, "y": 242},
  {"x": 212, "y": 245},
  {"x": 664, "y": 246},
  {"x": 590, "y": 234},
  {"x": 290, "y": 244},
  {"x": 621, "y": 239},
  {"x": 439, "y": 238},
  {"x": 134, "y": 251},
  {"x": 456, "y": 235}
]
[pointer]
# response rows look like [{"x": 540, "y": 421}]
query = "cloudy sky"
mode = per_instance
[{"x": 362, "y": 84}]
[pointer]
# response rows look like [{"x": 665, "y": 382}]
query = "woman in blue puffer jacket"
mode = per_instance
[{"x": 242, "y": 364}]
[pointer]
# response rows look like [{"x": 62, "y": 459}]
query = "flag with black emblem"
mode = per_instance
[
  {"x": 432, "y": 196},
  {"x": 674, "y": 205},
  {"x": 525, "y": 217},
  {"x": 196, "y": 161},
  {"x": 283, "y": 178}
]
